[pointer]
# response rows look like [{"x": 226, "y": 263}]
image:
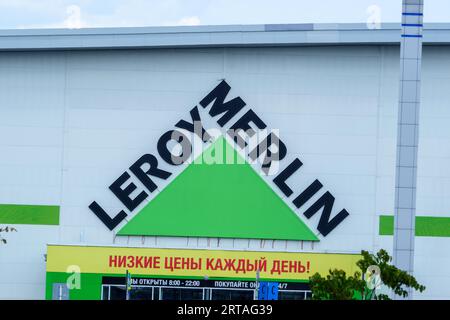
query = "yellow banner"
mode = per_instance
[{"x": 196, "y": 263}]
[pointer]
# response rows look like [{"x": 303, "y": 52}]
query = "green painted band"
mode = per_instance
[
  {"x": 29, "y": 214},
  {"x": 425, "y": 226}
]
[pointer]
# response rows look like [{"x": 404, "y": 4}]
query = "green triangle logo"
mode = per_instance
[{"x": 225, "y": 199}]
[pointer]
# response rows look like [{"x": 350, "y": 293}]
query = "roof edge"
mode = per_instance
[{"x": 214, "y": 36}]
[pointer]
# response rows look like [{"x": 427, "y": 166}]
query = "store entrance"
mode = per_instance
[
  {"x": 113, "y": 288},
  {"x": 165, "y": 293}
]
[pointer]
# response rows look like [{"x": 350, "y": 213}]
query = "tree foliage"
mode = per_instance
[
  {"x": 338, "y": 286},
  {"x": 395, "y": 279},
  {"x": 5, "y": 230}
]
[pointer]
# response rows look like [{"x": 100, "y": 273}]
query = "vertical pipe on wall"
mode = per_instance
[{"x": 407, "y": 135}]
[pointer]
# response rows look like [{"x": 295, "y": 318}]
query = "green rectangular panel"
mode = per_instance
[
  {"x": 90, "y": 285},
  {"x": 425, "y": 226},
  {"x": 433, "y": 226},
  {"x": 386, "y": 225},
  {"x": 29, "y": 214}
]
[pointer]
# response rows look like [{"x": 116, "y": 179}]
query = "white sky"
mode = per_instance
[{"x": 126, "y": 13}]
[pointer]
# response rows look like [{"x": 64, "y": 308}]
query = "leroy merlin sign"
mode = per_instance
[{"x": 226, "y": 198}]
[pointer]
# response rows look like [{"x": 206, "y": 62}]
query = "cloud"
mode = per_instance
[
  {"x": 133, "y": 13},
  {"x": 72, "y": 19},
  {"x": 189, "y": 21}
]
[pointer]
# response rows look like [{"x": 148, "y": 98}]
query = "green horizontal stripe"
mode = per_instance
[
  {"x": 425, "y": 226},
  {"x": 29, "y": 214}
]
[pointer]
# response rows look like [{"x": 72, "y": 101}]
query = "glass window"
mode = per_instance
[
  {"x": 117, "y": 293},
  {"x": 141, "y": 293},
  {"x": 156, "y": 291},
  {"x": 223, "y": 294},
  {"x": 291, "y": 295},
  {"x": 181, "y": 294},
  {"x": 105, "y": 292}
]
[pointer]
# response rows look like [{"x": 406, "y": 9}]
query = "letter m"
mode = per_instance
[
  {"x": 326, "y": 202},
  {"x": 229, "y": 109}
]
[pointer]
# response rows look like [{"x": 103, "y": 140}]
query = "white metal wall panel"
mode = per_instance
[{"x": 72, "y": 122}]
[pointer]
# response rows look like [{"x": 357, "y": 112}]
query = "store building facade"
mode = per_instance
[{"x": 204, "y": 159}]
